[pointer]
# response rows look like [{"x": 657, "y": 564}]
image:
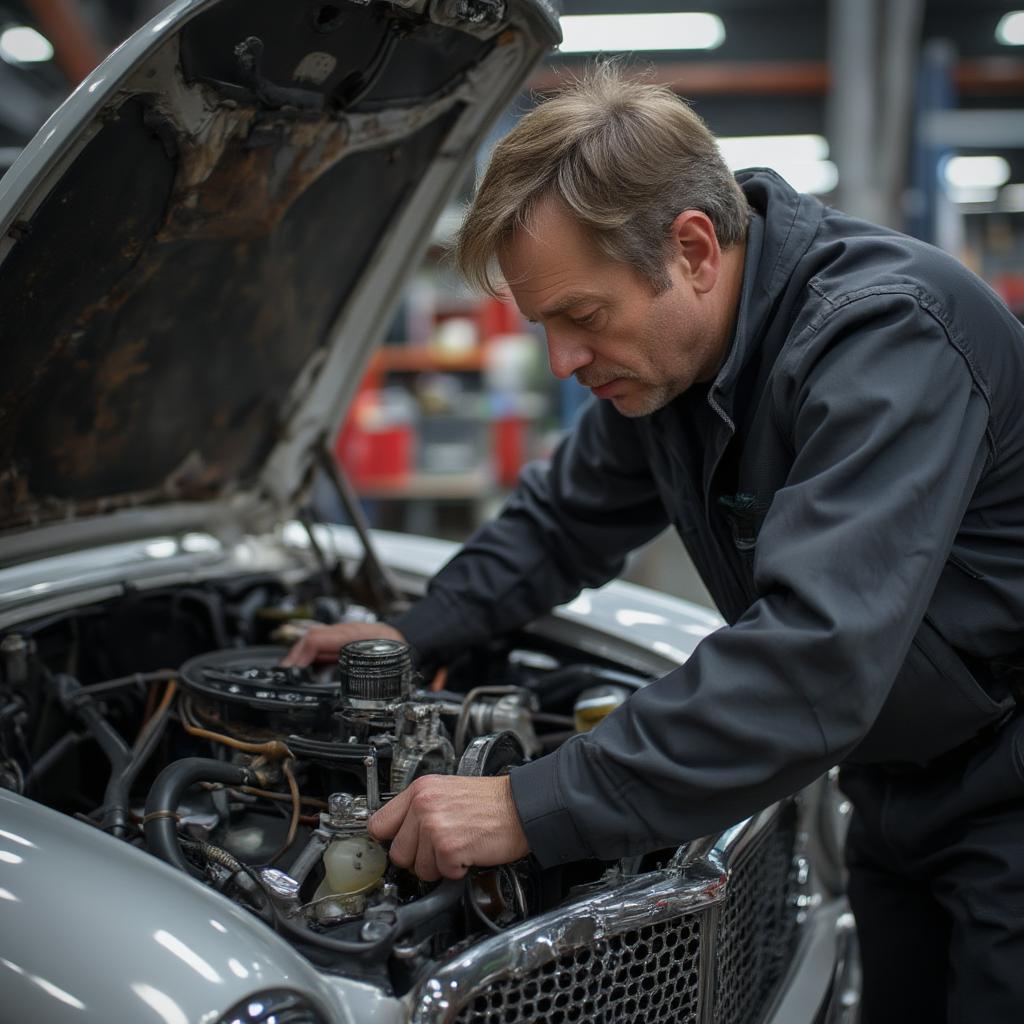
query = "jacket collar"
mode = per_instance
[{"x": 782, "y": 225}]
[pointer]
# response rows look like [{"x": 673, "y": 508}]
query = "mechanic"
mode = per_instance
[{"x": 831, "y": 415}]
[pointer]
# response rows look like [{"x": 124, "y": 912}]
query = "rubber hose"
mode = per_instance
[
  {"x": 165, "y": 795},
  {"x": 75, "y": 701},
  {"x": 118, "y": 792},
  {"x": 110, "y": 740}
]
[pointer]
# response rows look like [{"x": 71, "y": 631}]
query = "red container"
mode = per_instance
[
  {"x": 374, "y": 451},
  {"x": 497, "y": 316},
  {"x": 509, "y": 448}
]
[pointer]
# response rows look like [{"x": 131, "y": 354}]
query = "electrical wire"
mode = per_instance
[
  {"x": 153, "y": 720},
  {"x": 147, "y": 711},
  {"x": 214, "y": 853},
  {"x": 269, "y": 794},
  {"x": 273, "y": 750},
  {"x": 293, "y": 825},
  {"x": 162, "y": 675}
]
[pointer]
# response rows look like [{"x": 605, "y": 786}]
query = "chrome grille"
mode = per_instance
[
  {"x": 649, "y": 975},
  {"x": 756, "y": 930},
  {"x": 704, "y": 945}
]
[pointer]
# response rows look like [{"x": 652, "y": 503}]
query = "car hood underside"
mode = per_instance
[{"x": 202, "y": 245}]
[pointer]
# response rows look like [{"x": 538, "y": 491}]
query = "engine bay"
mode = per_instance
[{"x": 165, "y": 719}]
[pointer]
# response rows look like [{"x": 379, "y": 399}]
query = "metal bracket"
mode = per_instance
[{"x": 381, "y": 589}]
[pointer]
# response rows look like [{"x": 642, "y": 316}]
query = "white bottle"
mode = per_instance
[{"x": 352, "y": 866}]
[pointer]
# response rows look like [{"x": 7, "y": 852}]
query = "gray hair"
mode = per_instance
[{"x": 623, "y": 156}]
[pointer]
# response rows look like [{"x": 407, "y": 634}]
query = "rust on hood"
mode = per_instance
[
  {"x": 241, "y": 168},
  {"x": 165, "y": 295},
  {"x": 241, "y": 178}
]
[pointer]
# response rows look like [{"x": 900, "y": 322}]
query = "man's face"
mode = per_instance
[{"x": 604, "y": 323}]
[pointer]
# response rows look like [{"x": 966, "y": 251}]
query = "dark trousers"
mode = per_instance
[{"x": 936, "y": 860}]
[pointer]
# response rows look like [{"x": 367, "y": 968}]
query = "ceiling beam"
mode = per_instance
[
  {"x": 978, "y": 77},
  {"x": 76, "y": 50},
  {"x": 719, "y": 78},
  {"x": 989, "y": 76}
]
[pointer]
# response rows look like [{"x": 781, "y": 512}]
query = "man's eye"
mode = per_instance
[{"x": 588, "y": 319}]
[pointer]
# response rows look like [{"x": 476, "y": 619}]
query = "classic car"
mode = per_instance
[{"x": 198, "y": 252}]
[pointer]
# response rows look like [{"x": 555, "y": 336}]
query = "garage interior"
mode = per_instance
[{"x": 905, "y": 112}]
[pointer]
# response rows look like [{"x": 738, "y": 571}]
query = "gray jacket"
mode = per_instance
[{"x": 851, "y": 490}]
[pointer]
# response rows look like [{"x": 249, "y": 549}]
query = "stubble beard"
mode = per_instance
[
  {"x": 649, "y": 400},
  {"x": 643, "y": 398},
  {"x": 660, "y": 342}
]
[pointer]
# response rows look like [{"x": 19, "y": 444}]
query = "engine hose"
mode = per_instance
[
  {"x": 160, "y": 821},
  {"x": 69, "y": 692},
  {"x": 43, "y": 764},
  {"x": 443, "y": 898},
  {"x": 118, "y": 792}
]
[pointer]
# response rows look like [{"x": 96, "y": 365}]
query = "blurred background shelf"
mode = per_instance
[
  {"x": 471, "y": 485},
  {"x": 416, "y": 359}
]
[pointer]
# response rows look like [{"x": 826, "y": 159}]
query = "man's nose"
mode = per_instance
[{"x": 566, "y": 355}]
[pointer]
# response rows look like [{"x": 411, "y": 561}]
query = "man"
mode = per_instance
[{"x": 830, "y": 414}]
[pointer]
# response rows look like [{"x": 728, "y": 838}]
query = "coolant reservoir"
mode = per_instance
[
  {"x": 595, "y": 704},
  {"x": 353, "y": 865}
]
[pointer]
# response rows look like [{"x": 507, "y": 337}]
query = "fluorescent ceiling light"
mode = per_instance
[
  {"x": 814, "y": 177},
  {"x": 23, "y": 45},
  {"x": 801, "y": 159},
  {"x": 625, "y": 33},
  {"x": 976, "y": 172},
  {"x": 763, "y": 150},
  {"x": 1010, "y": 30}
]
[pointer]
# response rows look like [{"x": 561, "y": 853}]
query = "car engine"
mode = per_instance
[{"x": 259, "y": 780}]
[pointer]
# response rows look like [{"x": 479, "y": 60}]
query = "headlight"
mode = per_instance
[{"x": 275, "y": 1007}]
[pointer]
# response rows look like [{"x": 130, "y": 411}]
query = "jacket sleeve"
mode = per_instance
[
  {"x": 888, "y": 426},
  {"x": 568, "y": 525}
]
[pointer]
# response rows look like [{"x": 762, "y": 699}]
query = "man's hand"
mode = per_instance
[
  {"x": 444, "y": 824},
  {"x": 323, "y": 643}
]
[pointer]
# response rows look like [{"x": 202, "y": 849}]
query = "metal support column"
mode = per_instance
[{"x": 873, "y": 46}]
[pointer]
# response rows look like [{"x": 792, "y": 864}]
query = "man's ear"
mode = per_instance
[{"x": 696, "y": 250}]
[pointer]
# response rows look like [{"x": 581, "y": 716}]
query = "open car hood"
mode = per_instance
[{"x": 201, "y": 247}]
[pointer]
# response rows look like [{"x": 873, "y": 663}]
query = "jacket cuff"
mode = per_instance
[{"x": 548, "y": 824}]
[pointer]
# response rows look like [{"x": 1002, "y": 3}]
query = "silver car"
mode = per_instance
[{"x": 197, "y": 253}]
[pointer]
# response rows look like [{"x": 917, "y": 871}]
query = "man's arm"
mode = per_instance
[
  {"x": 889, "y": 432},
  {"x": 568, "y": 525}
]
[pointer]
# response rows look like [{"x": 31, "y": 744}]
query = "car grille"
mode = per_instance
[
  {"x": 649, "y": 974},
  {"x": 756, "y": 930},
  {"x": 697, "y": 949}
]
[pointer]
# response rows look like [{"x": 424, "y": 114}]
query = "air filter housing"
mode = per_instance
[
  {"x": 248, "y": 687},
  {"x": 375, "y": 671}
]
